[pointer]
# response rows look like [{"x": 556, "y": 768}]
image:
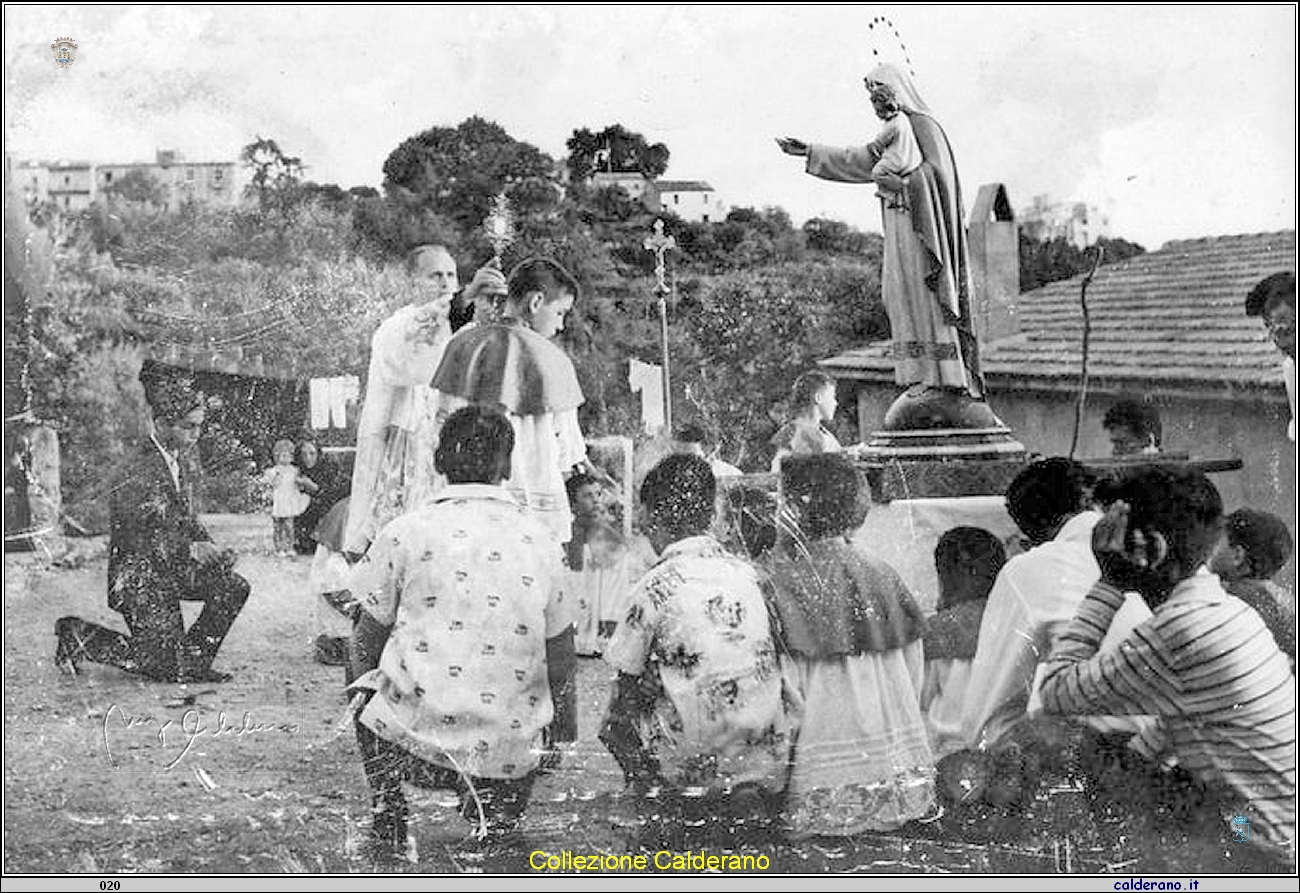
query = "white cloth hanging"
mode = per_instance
[
  {"x": 329, "y": 400},
  {"x": 344, "y": 389},
  {"x": 648, "y": 380},
  {"x": 319, "y": 393}
]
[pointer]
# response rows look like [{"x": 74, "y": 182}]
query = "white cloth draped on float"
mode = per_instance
[{"x": 510, "y": 366}]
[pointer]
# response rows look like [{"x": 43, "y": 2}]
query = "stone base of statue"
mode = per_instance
[{"x": 937, "y": 442}]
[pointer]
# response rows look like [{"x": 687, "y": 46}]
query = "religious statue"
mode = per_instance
[{"x": 925, "y": 280}]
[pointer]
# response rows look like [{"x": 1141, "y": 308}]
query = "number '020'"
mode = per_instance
[{"x": 110, "y": 885}]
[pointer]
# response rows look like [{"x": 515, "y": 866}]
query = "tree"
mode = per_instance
[
  {"x": 756, "y": 329},
  {"x": 615, "y": 149},
  {"x": 1043, "y": 262},
  {"x": 277, "y": 177},
  {"x": 456, "y": 171},
  {"x": 835, "y": 237},
  {"x": 137, "y": 186}
]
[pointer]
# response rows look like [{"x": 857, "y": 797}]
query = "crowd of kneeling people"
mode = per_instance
[{"x": 768, "y": 667}]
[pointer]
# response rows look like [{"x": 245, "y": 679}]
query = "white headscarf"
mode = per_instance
[{"x": 897, "y": 78}]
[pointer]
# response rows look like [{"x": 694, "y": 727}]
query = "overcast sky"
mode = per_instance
[{"x": 1178, "y": 120}]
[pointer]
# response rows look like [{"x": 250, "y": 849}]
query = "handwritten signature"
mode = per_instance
[{"x": 189, "y": 729}]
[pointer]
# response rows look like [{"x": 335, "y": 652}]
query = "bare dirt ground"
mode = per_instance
[{"x": 107, "y": 774}]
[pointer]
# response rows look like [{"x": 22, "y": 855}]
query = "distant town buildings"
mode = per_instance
[
  {"x": 692, "y": 200},
  {"x": 1079, "y": 223},
  {"x": 75, "y": 185}
]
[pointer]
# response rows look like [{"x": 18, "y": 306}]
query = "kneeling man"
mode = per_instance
[
  {"x": 698, "y": 707},
  {"x": 462, "y": 610}
]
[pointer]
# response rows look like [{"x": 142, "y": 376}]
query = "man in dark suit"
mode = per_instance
[{"x": 158, "y": 555}]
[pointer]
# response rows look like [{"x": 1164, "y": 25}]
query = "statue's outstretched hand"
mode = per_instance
[{"x": 791, "y": 146}]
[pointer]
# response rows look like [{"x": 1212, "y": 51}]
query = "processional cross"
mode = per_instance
[{"x": 660, "y": 243}]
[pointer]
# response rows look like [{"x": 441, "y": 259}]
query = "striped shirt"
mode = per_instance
[{"x": 1209, "y": 667}]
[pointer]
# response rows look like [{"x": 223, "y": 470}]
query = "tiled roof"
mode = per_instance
[
  {"x": 1170, "y": 317},
  {"x": 682, "y": 186}
]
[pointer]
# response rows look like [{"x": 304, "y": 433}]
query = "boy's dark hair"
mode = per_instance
[
  {"x": 807, "y": 386},
  {"x": 577, "y": 482},
  {"x": 1140, "y": 417},
  {"x": 1264, "y": 537},
  {"x": 1180, "y": 503},
  {"x": 973, "y": 549},
  {"x": 753, "y": 517},
  {"x": 540, "y": 274},
  {"x": 679, "y": 495},
  {"x": 474, "y": 446},
  {"x": 1045, "y": 494},
  {"x": 829, "y": 490},
  {"x": 1280, "y": 287},
  {"x": 169, "y": 391}
]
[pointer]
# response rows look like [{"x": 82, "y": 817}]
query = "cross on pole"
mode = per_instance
[{"x": 659, "y": 243}]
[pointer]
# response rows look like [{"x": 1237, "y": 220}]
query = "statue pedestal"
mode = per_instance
[{"x": 940, "y": 443}]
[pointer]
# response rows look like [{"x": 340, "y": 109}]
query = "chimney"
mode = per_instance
[{"x": 994, "y": 242}]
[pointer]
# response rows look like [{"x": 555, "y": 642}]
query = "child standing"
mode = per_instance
[
  {"x": 514, "y": 364},
  {"x": 896, "y": 144},
  {"x": 595, "y": 556},
  {"x": 862, "y": 761},
  {"x": 288, "y": 500},
  {"x": 813, "y": 402}
]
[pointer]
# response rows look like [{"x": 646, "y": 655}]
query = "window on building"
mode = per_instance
[
  {"x": 675, "y": 198},
  {"x": 189, "y": 173},
  {"x": 66, "y": 180},
  {"x": 217, "y": 174},
  {"x": 108, "y": 176}
]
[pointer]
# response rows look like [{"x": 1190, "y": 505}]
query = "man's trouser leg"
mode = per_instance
[
  {"x": 385, "y": 766},
  {"x": 87, "y": 641},
  {"x": 157, "y": 627},
  {"x": 223, "y": 595}
]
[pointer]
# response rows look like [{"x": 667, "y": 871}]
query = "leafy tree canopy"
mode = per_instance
[
  {"x": 137, "y": 186},
  {"x": 276, "y": 177},
  {"x": 456, "y": 171},
  {"x": 1043, "y": 262},
  {"x": 614, "y": 149}
]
